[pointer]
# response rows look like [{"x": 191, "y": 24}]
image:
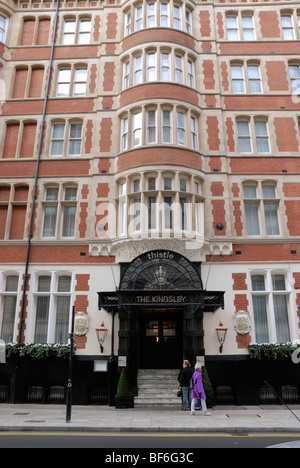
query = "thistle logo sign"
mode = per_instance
[{"x": 2, "y": 352}]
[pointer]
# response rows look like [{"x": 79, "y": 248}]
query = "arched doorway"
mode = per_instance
[{"x": 159, "y": 322}]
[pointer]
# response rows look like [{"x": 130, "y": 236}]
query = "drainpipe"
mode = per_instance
[{"x": 30, "y": 234}]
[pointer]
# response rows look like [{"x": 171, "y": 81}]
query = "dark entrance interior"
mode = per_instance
[{"x": 161, "y": 343}]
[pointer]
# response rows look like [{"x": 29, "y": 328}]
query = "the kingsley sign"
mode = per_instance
[{"x": 160, "y": 299}]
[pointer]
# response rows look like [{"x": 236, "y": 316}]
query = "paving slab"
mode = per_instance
[{"x": 231, "y": 419}]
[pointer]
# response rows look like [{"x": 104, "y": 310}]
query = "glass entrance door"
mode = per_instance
[{"x": 161, "y": 339}]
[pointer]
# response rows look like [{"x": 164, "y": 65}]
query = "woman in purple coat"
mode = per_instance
[{"x": 198, "y": 391}]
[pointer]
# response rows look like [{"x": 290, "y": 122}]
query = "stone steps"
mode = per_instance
[{"x": 157, "y": 387}]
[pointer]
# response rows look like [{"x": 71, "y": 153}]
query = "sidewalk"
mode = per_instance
[{"x": 233, "y": 419}]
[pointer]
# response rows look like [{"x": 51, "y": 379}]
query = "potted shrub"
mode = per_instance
[
  {"x": 123, "y": 400},
  {"x": 210, "y": 396}
]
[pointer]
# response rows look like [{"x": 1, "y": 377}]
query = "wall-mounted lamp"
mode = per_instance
[
  {"x": 221, "y": 334},
  {"x": 101, "y": 333}
]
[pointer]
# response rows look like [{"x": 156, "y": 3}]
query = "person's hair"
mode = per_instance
[
  {"x": 186, "y": 362},
  {"x": 197, "y": 365}
]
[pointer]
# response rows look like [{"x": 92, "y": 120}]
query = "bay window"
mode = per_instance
[
  {"x": 156, "y": 13},
  {"x": 159, "y": 124},
  {"x": 159, "y": 203}
]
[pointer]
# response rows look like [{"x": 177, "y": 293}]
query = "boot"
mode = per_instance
[
  {"x": 193, "y": 405},
  {"x": 204, "y": 408}
]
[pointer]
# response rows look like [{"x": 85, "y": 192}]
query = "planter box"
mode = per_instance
[{"x": 124, "y": 402}]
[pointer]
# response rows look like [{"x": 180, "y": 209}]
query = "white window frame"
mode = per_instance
[
  {"x": 10, "y": 293},
  {"x": 67, "y": 138},
  {"x": 287, "y": 25},
  {"x": 60, "y": 217},
  {"x": 53, "y": 294},
  {"x": 3, "y": 27},
  {"x": 253, "y": 134},
  {"x": 76, "y": 34},
  {"x": 257, "y": 205},
  {"x": 294, "y": 73},
  {"x": 269, "y": 293}
]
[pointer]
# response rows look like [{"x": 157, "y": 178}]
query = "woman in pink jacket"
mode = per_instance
[{"x": 198, "y": 391}]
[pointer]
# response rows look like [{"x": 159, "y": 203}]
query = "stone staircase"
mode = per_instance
[{"x": 157, "y": 387}]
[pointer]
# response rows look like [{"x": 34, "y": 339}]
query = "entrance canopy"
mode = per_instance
[{"x": 161, "y": 278}]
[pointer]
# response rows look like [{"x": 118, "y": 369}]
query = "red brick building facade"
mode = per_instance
[{"x": 164, "y": 133}]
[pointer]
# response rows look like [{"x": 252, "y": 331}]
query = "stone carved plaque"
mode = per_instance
[
  {"x": 242, "y": 322},
  {"x": 81, "y": 324}
]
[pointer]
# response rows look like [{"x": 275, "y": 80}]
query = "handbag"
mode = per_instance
[{"x": 179, "y": 393}]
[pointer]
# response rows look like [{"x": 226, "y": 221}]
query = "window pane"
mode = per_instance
[
  {"x": 281, "y": 319},
  {"x": 69, "y": 221},
  {"x": 182, "y": 185},
  {"x": 151, "y": 67},
  {"x": 69, "y": 32},
  {"x": 165, "y": 67},
  {"x": 75, "y": 139},
  {"x": 237, "y": 79},
  {"x": 167, "y": 183},
  {"x": 12, "y": 283},
  {"x": 254, "y": 79},
  {"x": 243, "y": 128},
  {"x": 44, "y": 283},
  {"x": 262, "y": 140},
  {"x": 249, "y": 191},
  {"x": 52, "y": 194},
  {"x": 248, "y": 28},
  {"x": 138, "y": 18},
  {"x": 176, "y": 17},
  {"x": 180, "y": 129},
  {"x": 64, "y": 284},
  {"x": 166, "y": 126},
  {"x": 260, "y": 319},
  {"x": 232, "y": 28},
  {"x": 137, "y": 185},
  {"x": 183, "y": 207},
  {"x": 41, "y": 321},
  {"x": 50, "y": 221},
  {"x": 269, "y": 191},
  {"x": 278, "y": 282},
  {"x": 151, "y": 126},
  {"x": 258, "y": 282},
  {"x": 244, "y": 137},
  {"x": 84, "y": 32},
  {"x": 57, "y": 139},
  {"x": 178, "y": 69},
  {"x": 137, "y": 129},
  {"x": 152, "y": 213},
  {"x": 164, "y": 15},
  {"x": 272, "y": 226},
  {"x": 62, "y": 319},
  {"x": 71, "y": 193},
  {"x": 168, "y": 214},
  {"x": 151, "y": 183},
  {"x": 252, "y": 219},
  {"x": 80, "y": 82},
  {"x": 137, "y": 214},
  {"x": 8, "y": 320}
]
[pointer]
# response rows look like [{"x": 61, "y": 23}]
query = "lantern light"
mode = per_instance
[
  {"x": 221, "y": 334},
  {"x": 101, "y": 333}
]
